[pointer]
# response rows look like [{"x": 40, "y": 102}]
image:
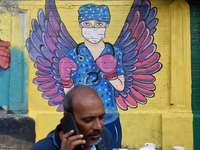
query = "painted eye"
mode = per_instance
[
  {"x": 86, "y": 24},
  {"x": 99, "y": 24}
]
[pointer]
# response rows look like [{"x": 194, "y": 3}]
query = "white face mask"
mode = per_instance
[{"x": 93, "y": 35}]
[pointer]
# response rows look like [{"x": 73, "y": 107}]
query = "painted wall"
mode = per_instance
[
  {"x": 195, "y": 26},
  {"x": 166, "y": 119}
]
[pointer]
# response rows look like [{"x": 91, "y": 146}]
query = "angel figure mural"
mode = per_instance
[{"x": 121, "y": 73}]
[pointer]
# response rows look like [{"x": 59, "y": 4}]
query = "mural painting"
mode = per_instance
[
  {"x": 121, "y": 73},
  {"x": 4, "y": 54}
]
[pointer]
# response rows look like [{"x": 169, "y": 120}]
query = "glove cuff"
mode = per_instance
[
  {"x": 110, "y": 76},
  {"x": 67, "y": 84}
]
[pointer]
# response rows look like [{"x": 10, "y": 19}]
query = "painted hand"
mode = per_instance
[
  {"x": 4, "y": 54},
  {"x": 107, "y": 63},
  {"x": 66, "y": 66}
]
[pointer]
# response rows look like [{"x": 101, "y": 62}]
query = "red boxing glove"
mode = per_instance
[
  {"x": 4, "y": 54},
  {"x": 66, "y": 66},
  {"x": 107, "y": 64}
]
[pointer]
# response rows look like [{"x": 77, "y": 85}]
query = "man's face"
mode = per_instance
[
  {"x": 89, "y": 115},
  {"x": 93, "y": 24}
]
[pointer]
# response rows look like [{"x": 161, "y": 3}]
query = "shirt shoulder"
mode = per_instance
[
  {"x": 45, "y": 144},
  {"x": 108, "y": 138}
]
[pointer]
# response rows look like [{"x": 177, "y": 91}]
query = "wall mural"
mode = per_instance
[
  {"x": 121, "y": 73},
  {"x": 4, "y": 54}
]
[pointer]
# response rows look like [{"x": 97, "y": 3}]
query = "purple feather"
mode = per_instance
[
  {"x": 124, "y": 38},
  {"x": 149, "y": 62},
  {"x": 43, "y": 74},
  {"x": 67, "y": 35},
  {"x": 62, "y": 48},
  {"x": 48, "y": 43},
  {"x": 127, "y": 43},
  {"x": 61, "y": 41},
  {"x": 147, "y": 53},
  {"x": 42, "y": 68},
  {"x": 56, "y": 100},
  {"x": 144, "y": 9},
  {"x": 139, "y": 30},
  {"x": 152, "y": 24},
  {"x": 129, "y": 48},
  {"x": 41, "y": 19},
  {"x": 151, "y": 15},
  {"x": 53, "y": 22},
  {"x": 151, "y": 87},
  {"x": 42, "y": 80},
  {"x": 51, "y": 93},
  {"x": 138, "y": 96},
  {"x": 128, "y": 85},
  {"x": 56, "y": 60},
  {"x": 129, "y": 56},
  {"x": 55, "y": 65},
  {"x": 56, "y": 72},
  {"x": 50, "y": 33},
  {"x": 128, "y": 78},
  {"x": 46, "y": 53},
  {"x": 32, "y": 51},
  {"x": 124, "y": 29},
  {"x": 127, "y": 73},
  {"x": 130, "y": 62},
  {"x": 44, "y": 62},
  {"x": 150, "y": 70},
  {"x": 147, "y": 43},
  {"x": 144, "y": 92},
  {"x": 46, "y": 87},
  {"x": 35, "y": 41},
  {"x": 130, "y": 68},
  {"x": 144, "y": 78},
  {"x": 143, "y": 38},
  {"x": 59, "y": 54},
  {"x": 36, "y": 29}
]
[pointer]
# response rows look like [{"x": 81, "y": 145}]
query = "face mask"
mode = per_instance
[{"x": 93, "y": 35}]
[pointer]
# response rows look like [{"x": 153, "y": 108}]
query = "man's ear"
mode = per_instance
[{"x": 64, "y": 113}]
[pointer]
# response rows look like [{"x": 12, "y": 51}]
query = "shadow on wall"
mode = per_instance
[{"x": 16, "y": 131}]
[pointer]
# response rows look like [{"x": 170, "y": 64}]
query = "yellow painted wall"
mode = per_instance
[{"x": 166, "y": 119}]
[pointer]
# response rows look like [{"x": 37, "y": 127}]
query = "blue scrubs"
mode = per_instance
[{"x": 90, "y": 75}]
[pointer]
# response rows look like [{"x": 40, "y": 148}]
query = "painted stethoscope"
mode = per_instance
[{"x": 81, "y": 58}]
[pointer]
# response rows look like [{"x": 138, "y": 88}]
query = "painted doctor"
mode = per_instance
[{"x": 96, "y": 64}]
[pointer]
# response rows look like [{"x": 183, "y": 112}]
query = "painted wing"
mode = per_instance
[
  {"x": 49, "y": 41},
  {"x": 140, "y": 60}
]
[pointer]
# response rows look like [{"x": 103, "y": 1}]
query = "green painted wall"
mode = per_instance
[{"x": 195, "y": 62}]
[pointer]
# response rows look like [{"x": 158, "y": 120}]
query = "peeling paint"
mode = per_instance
[{"x": 11, "y": 6}]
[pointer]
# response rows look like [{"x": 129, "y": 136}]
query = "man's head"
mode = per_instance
[
  {"x": 94, "y": 19},
  {"x": 88, "y": 110}
]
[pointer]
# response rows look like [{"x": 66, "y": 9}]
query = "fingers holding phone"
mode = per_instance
[{"x": 70, "y": 141}]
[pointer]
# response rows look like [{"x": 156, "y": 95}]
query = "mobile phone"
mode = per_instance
[{"x": 68, "y": 123}]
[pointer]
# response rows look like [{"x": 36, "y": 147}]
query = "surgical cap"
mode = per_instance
[{"x": 94, "y": 12}]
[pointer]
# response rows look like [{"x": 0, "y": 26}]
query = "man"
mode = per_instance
[
  {"x": 88, "y": 111},
  {"x": 96, "y": 64}
]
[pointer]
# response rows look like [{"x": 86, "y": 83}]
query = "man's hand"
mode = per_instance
[
  {"x": 4, "y": 54},
  {"x": 70, "y": 142}
]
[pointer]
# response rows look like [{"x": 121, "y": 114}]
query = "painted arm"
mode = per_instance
[
  {"x": 107, "y": 63},
  {"x": 118, "y": 83}
]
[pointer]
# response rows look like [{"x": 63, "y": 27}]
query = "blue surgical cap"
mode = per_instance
[{"x": 94, "y": 12}]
